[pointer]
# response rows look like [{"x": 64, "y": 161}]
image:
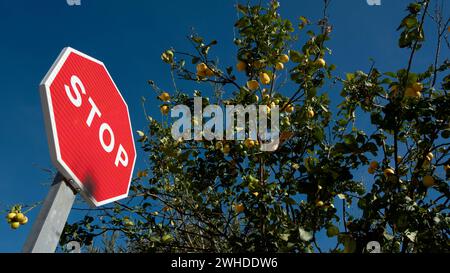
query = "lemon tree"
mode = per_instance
[{"x": 228, "y": 196}]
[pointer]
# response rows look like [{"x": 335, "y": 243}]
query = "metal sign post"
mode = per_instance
[{"x": 47, "y": 228}]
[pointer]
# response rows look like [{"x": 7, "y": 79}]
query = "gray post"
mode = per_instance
[{"x": 47, "y": 228}]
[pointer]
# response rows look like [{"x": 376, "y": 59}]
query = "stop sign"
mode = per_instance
[{"x": 88, "y": 127}]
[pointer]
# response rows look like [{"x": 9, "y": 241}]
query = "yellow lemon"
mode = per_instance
[
  {"x": 164, "y": 109},
  {"x": 15, "y": 225},
  {"x": 24, "y": 220},
  {"x": 321, "y": 62},
  {"x": 279, "y": 66},
  {"x": 290, "y": 108},
  {"x": 264, "y": 77},
  {"x": 164, "y": 96},
  {"x": 249, "y": 143},
  {"x": 253, "y": 85},
  {"x": 19, "y": 217},
  {"x": 283, "y": 58},
  {"x": 201, "y": 67},
  {"x": 11, "y": 215},
  {"x": 388, "y": 172}
]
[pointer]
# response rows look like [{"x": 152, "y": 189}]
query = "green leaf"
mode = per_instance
[
  {"x": 350, "y": 76},
  {"x": 284, "y": 236},
  {"x": 296, "y": 57}
]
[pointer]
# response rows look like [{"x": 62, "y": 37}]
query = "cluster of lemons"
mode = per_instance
[
  {"x": 266, "y": 79},
  {"x": 414, "y": 90},
  {"x": 224, "y": 147},
  {"x": 428, "y": 180},
  {"x": 203, "y": 71},
  {"x": 15, "y": 218},
  {"x": 165, "y": 97}
]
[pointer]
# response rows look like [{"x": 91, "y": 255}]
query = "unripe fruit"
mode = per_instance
[
  {"x": 253, "y": 85},
  {"x": 332, "y": 231},
  {"x": 241, "y": 66},
  {"x": 283, "y": 58},
  {"x": 286, "y": 121},
  {"x": 264, "y": 78},
  {"x": 279, "y": 66},
  {"x": 428, "y": 181}
]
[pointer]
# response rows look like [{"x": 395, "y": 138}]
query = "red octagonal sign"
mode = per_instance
[{"x": 88, "y": 127}]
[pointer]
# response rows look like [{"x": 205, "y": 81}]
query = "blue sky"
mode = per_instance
[{"x": 129, "y": 36}]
